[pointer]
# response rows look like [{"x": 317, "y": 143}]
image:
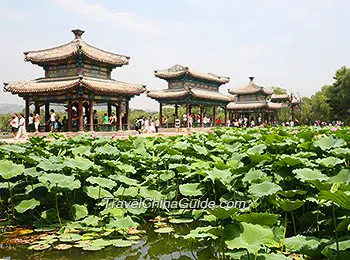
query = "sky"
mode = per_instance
[{"x": 297, "y": 45}]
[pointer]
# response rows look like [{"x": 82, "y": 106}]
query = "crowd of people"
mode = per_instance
[{"x": 147, "y": 125}]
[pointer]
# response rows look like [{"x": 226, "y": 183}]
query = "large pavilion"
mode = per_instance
[
  {"x": 77, "y": 75},
  {"x": 190, "y": 88},
  {"x": 251, "y": 101}
]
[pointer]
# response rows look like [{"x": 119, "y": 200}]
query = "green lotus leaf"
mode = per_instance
[
  {"x": 79, "y": 211},
  {"x": 96, "y": 192},
  {"x": 253, "y": 175},
  {"x": 307, "y": 174},
  {"x": 338, "y": 197},
  {"x": 342, "y": 177},
  {"x": 302, "y": 244},
  {"x": 25, "y": 205},
  {"x": 123, "y": 179},
  {"x": 164, "y": 230},
  {"x": 80, "y": 163},
  {"x": 202, "y": 232},
  {"x": 69, "y": 237},
  {"x": 222, "y": 175},
  {"x": 114, "y": 212},
  {"x": 180, "y": 145},
  {"x": 291, "y": 193},
  {"x": 107, "y": 150},
  {"x": 103, "y": 182},
  {"x": 330, "y": 251},
  {"x": 131, "y": 192},
  {"x": 32, "y": 172},
  {"x": 248, "y": 236},
  {"x": 190, "y": 189},
  {"x": 13, "y": 148},
  {"x": 329, "y": 162},
  {"x": 265, "y": 188},
  {"x": 9, "y": 170},
  {"x": 235, "y": 164},
  {"x": 288, "y": 205},
  {"x": 90, "y": 221},
  {"x": 62, "y": 247},
  {"x": 200, "y": 149},
  {"x": 82, "y": 150},
  {"x": 223, "y": 213},
  {"x": 62, "y": 181},
  {"x": 150, "y": 194},
  {"x": 125, "y": 222},
  {"x": 49, "y": 166},
  {"x": 123, "y": 243},
  {"x": 341, "y": 152},
  {"x": 180, "y": 220},
  {"x": 326, "y": 143},
  {"x": 260, "y": 218},
  {"x": 257, "y": 149},
  {"x": 39, "y": 247},
  {"x": 306, "y": 135}
]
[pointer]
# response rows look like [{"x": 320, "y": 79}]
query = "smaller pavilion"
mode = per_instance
[
  {"x": 77, "y": 75},
  {"x": 190, "y": 88},
  {"x": 291, "y": 101},
  {"x": 251, "y": 101}
]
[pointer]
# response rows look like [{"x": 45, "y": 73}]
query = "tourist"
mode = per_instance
[
  {"x": 228, "y": 123},
  {"x": 152, "y": 127},
  {"x": 252, "y": 123},
  {"x": 21, "y": 128},
  {"x": 31, "y": 123},
  {"x": 13, "y": 122},
  {"x": 138, "y": 125},
  {"x": 57, "y": 125},
  {"x": 157, "y": 124},
  {"x": 177, "y": 124},
  {"x": 113, "y": 119},
  {"x": 52, "y": 120},
  {"x": 190, "y": 121},
  {"x": 105, "y": 119},
  {"x": 36, "y": 122},
  {"x": 184, "y": 120},
  {"x": 65, "y": 124},
  {"x": 165, "y": 122},
  {"x": 198, "y": 118},
  {"x": 146, "y": 125},
  {"x": 95, "y": 117}
]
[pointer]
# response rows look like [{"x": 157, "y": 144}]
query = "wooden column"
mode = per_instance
[
  {"x": 160, "y": 114},
  {"x": 119, "y": 115},
  {"x": 37, "y": 107},
  {"x": 91, "y": 114},
  {"x": 202, "y": 115},
  {"x": 47, "y": 116},
  {"x": 109, "y": 109},
  {"x": 26, "y": 116},
  {"x": 214, "y": 115},
  {"x": 225, "y": 107},
  {"x": 187, "y": 116},
  {"x": 176, "y": 111},
  {"x": 127, "y": 115},
  {"x": 81, "y": 118},
  {"x": 70, "y": 117}
]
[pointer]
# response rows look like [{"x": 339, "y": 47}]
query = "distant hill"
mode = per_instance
[{"x": 10, "y": 108}]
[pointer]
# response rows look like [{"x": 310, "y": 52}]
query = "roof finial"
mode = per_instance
[
  {"x": 78, "y": 33},
  {"x": 251, "y": 78}
]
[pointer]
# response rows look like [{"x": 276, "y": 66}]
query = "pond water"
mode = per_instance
[{"x": 151, "y": 246}]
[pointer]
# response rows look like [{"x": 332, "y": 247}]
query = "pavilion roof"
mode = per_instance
[
  {"x": 196, "y": 93},
  {"x": 71, "y": 49},
  {"x": 251, "y": 88},
  {"x": 253, "y": 105},
  {"x": 50, "y": 85},
  {"x": 280, "y": 97},
  {"x": 177, "y": 71}
]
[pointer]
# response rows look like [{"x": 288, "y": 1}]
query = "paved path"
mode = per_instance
[{"x": 116, "y": 134}]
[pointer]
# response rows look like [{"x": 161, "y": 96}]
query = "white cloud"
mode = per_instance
[{"x": 127, "y": 20}]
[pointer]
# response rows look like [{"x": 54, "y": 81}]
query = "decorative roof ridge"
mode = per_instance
[
  {"x": 116, "y": 54},
  {"x": 82, "y": 78},
  {"x": 52, "y": 48}
]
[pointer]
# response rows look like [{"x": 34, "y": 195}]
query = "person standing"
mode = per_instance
[
  {"x": 14, "y": 124},
  {"x": 21, "y": 128},
  {"x": 36, "y": 122},
  {"x": 177, "y": 124},
  {"x": 31, "y": 123},
  {"x": 52, "y": 120},
  {"x": 157, "y": 124}
]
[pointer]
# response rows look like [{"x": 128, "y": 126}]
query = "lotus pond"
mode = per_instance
[{"x": 293, "y": 181}]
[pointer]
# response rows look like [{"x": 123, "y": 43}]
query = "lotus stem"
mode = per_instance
[
  {"x": 12, "y": 207},
  {"x": 57, "y": 210},
  {"x": 335, "y": 229},
  {"x": 295, "y": 230},
  {"x": 285, "y": 230}
]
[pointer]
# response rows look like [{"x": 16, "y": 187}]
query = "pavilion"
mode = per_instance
[
  {"x": 190, "y": 88},
  {"x": 251, "y": 101},
  {"x": 76, "y": 75}
]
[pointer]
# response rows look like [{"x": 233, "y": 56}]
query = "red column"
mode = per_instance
[
  {"x": 202, "y": 115},
  {"x": 27, "y": 113},
  {"x": 47, "y": 115},
  {"x": 91, "y": 115},
  {"x": 214, "y": 115},
  {"x": 187, "y": 116},
  {"x": 225, "y": 107},
  {"x": 127, "y": 115},
  {"x": 161, "y": 114},
  {"x": 109, "y": 109},
  {"x": 119, "y": 115},
  {"x": 80, "y": 113},
  {"x": 70, "y": 115}
]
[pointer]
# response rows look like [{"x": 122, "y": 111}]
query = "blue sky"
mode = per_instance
[{"x": 297, "y": 45}]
